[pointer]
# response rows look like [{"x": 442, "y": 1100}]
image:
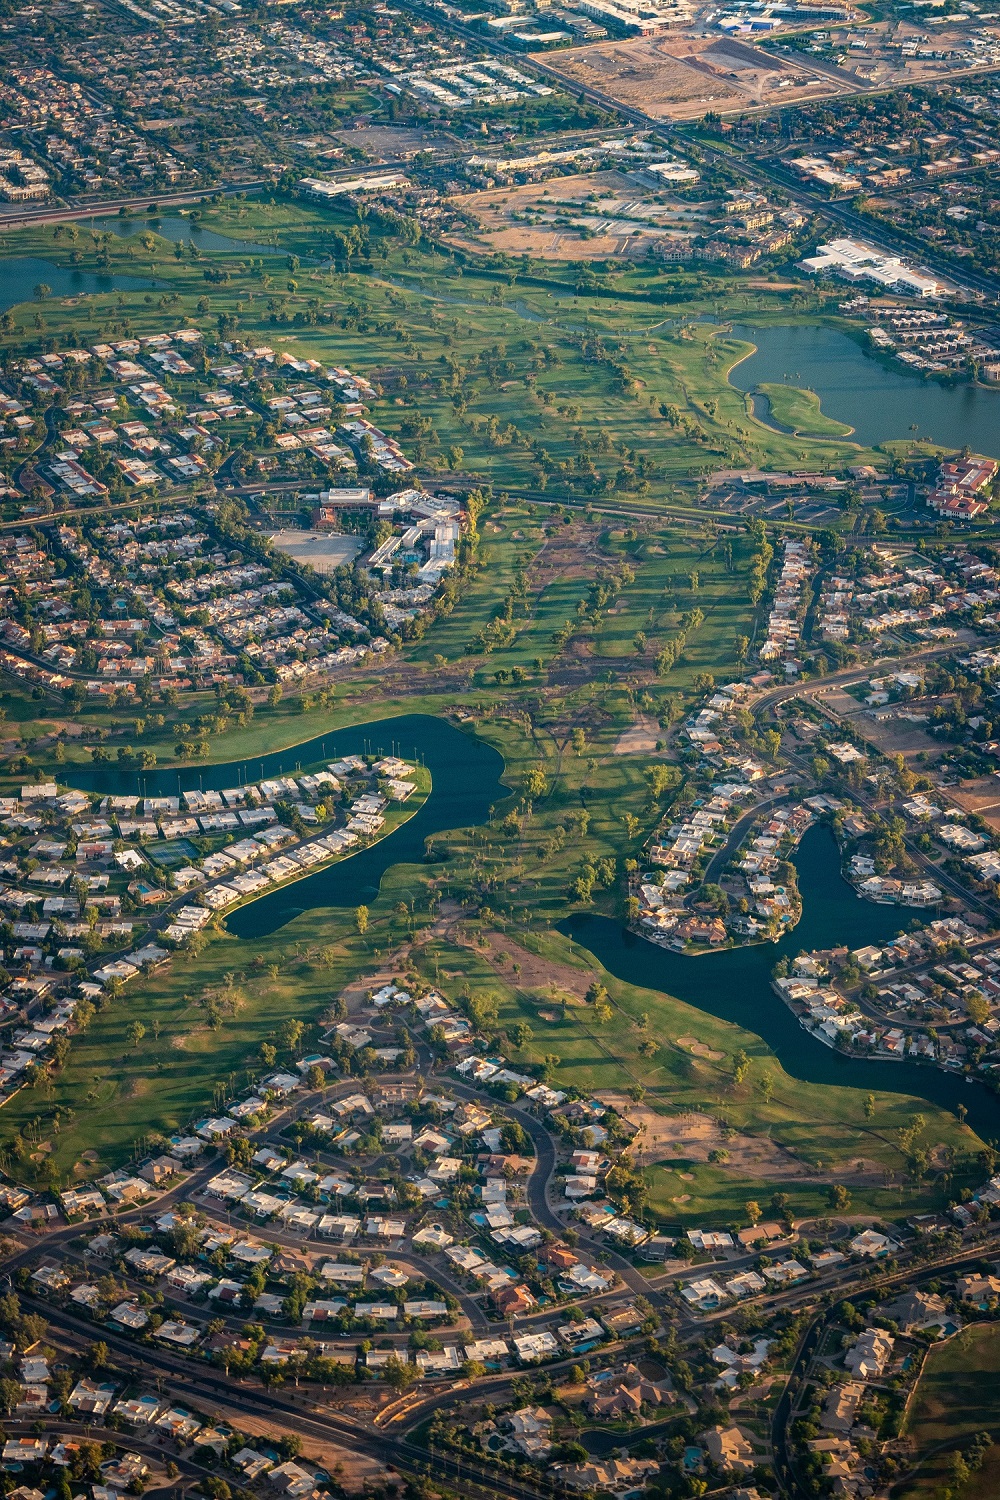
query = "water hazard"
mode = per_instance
[
  {"x": 465, "y": 776},
  {"x": 180, "y": 230},
  {"x": 880, "y": 401},
  {"x": 22, "y": 273},
  {"x": 735, "y": 985}
]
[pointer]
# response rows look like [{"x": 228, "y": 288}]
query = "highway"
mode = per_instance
[{"x": 62, "y": 211}]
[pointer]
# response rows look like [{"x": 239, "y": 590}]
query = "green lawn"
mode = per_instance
[
  {"x": 958, "y": 1395},
  {"x": 717, "y": 1195},
  {"x": 110, "y": 1093},
  {"x": 663, "y": 591},
  {"x": 800, "y": 411},
  {"x": 825, "y": 1126},
  {"x": 417, "y": 313}
]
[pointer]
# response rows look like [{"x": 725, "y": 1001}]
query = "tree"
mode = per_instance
[
  {"x": 870, "y": 1107},
  {"x": 753, "y": 1210},
  {"x": 361, "y": 919},
  {"x": 838, "y": 1197},
  {"x": 978, "y": 1009},
  {"x": 291, "y": 1034},
  {"x": 398, "y": 1374},
  {"x": 661, "y": 778},
  {"x": 520, "y": 1034},
  {"x": 535, "y": 784},
  {"x": 136, "y": 1032}
]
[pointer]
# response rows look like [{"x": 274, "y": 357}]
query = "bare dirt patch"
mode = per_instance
[
  {"x": 641, "y": 739},
  {"x": 676, "y": 77},
  {"x": 644, "y": 74},
  {"x": 692, "y": 1137},
  {"x": 572, "y": 553},
  {"x": 699, "y": 1049},
  {"x": 891, "y": 736},
  {"x": 543, "y": 218},
  {"x": 542, "y": 975},
  {"x": 356, "y": 1472},
  {"x": 898, "y": 736},
  {"x": 981, "y": 796}
]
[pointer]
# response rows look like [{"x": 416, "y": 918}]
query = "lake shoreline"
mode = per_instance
[
  {"x": 735, "y": 985},
  {"x": 879, "y": 401}
]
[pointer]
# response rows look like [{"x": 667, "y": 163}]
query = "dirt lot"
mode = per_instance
[
  {"x": 981, "y": 796},
  {"x": 900, "y": 737},
  {"x": 645, "y": 75},
  {"x": 618, "y": 231},
  {"x": 641, "y": 739},
  {"x": 679, "y": 78},
  {"x": 893, "y": 736},
  {"x": 682, "y": 1138}
]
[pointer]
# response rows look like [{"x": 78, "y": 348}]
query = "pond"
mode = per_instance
[
  {"x": 177, "y": 228},
  {"x": 878, "y": 400},
  {"x": 735, "y": 985},
  {"x": 22, "y": 273},
  {"x": 465, "y": 776}
]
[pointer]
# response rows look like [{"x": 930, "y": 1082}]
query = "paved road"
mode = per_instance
[
  {"x": 212, "y": 1390},
  {"x": 814, "y": 202},
  {"x": 57, "y": 213},
  {"x": 538, "y": 1195},
  {"x": 787, "y": 1407},
  {"x": 722, "y": 856}
]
